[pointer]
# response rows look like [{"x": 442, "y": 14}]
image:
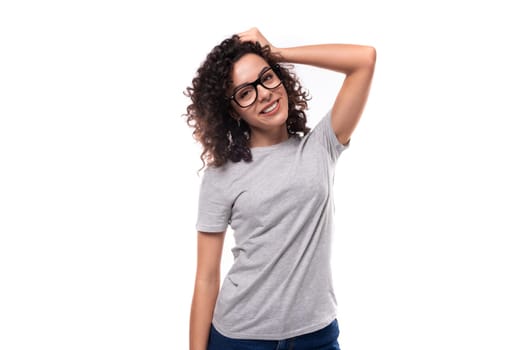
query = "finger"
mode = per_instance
[{"x": 249, "y": 35}]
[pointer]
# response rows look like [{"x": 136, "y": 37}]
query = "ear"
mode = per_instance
[{"x": 234, "y": 114}]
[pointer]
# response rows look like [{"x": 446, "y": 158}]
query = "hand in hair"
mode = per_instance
[{"x": 253, "y": 34}]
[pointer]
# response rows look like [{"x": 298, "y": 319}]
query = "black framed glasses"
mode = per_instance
[{"x": 246, "y": 94}]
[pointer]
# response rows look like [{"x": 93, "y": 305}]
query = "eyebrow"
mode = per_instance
[{"x": 251, "y": 82}]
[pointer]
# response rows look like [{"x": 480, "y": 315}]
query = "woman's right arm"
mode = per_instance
[{"x": 207, "y": 283}]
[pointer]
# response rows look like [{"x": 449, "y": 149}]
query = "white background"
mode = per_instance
[{"x": 98, "y": 170}]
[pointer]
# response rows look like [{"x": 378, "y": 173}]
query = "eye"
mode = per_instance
[
  {"x": 244, "y": 94},
  {"x": 268, "y": 76}
]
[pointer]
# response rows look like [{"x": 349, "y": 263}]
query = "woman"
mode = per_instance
[{"x": 270, "y": 178}]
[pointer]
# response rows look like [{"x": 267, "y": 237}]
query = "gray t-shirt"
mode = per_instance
[{"x": 280, "y": 208}]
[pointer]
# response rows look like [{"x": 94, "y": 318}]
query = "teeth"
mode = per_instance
[{"x": 271, "y": 108}]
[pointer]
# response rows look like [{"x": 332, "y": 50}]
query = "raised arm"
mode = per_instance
[
  {"x": 207, "y": 283},
  {"x": 357, "y": 62}
]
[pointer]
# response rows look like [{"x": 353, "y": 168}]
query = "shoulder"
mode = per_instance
[
  {"x": 215, "y": 172},
  {"x": 224, "y": 174},
  {"x": 321, "y": 126},
  {"x": 324, "y": 136}
]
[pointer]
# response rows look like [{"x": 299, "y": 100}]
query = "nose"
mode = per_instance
[{"x": 263, "y": 93}]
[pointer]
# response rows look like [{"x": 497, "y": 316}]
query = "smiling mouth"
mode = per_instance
[{"x": 271, "y": 108}]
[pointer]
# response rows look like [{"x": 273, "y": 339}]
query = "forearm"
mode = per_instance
[
  {"x": 203, "y": 304},
  {"x": 344, "y": 58}
]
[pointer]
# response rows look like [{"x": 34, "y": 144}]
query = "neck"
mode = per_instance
[{"x": 259, "y": 138}]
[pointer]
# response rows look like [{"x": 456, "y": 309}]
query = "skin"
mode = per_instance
[
  {"x": 357, "y": 63},
  {"x": 266, "y": 128},
  {"x": 207, "y": 282}
]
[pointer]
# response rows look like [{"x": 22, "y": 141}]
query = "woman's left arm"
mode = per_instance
[{"x": 357, "y": 62}]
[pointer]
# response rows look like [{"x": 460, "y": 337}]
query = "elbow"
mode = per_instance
[
  {"x": 371, "y": 57},
  {"x": 368, "y": 61}
]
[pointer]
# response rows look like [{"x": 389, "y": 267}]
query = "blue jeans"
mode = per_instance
[{"x": 324, "y": 339}]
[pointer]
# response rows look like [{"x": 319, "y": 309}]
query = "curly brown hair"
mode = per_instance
[{"x": 210, "y": 113}]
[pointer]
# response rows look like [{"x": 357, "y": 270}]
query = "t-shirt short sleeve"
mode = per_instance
[
  {"x": 324, "y": 133},
  {"x": 214, "y": 211}
]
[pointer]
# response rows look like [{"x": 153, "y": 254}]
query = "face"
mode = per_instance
[{"x": 270, "y": 110}]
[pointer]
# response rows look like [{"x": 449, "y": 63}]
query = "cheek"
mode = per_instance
[
  {"x": 283, "y": 91},
  {"x": 245, "y": 113}
]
